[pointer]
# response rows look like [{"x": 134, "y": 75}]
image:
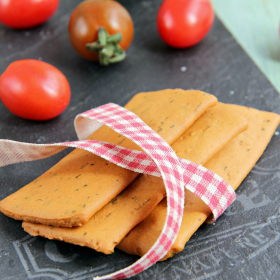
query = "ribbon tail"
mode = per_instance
[{"x": 15, "y": 152}]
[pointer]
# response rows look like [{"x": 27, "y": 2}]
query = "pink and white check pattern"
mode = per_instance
[{"x": 158, "y": 159}]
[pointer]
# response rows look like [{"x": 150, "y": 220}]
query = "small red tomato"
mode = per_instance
[
  {"x": 184, "y": 23},
  {"x": 26, "y": 13},
  {"x": 35, "y": 90},
  {"x": 90, "y": 18}
]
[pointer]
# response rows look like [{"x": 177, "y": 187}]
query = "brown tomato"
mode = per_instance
[{"x": 89, "y": 16}]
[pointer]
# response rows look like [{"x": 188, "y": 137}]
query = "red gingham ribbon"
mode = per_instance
[{"x": 158, "y": 159}]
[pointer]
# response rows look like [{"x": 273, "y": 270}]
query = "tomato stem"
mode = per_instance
[
  {"x": 107, "y": 47},
  {"x": 116, "y": 38}
]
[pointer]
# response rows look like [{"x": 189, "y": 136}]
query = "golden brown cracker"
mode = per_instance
[
  {"x": 104, "y": 230},
  {"x": 214, "y": 129},
  {"x": 210, "y": 133},
  {"x": 241, "y": 154},
  {"x": 232, "y": 163},
  {"x": 81, "y": 183}
]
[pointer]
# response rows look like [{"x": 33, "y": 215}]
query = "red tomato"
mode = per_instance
[
  {"x": 35, "y": 90},
  {"x": 89, "y": 16},
  {"x": 184, "y": 23},
  {"x": 26, "y": 13}
]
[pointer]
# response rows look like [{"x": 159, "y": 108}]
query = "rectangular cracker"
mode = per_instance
[
  {"x": 213, "y": 130},
  {"x": 232, "y": 163},
  {"x": 79, "y": 185}
]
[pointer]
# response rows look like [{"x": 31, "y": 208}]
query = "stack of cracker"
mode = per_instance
[{"x": 91, "y": 202}]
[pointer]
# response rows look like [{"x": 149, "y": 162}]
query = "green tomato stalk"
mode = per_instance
[{"x": 108, "y": 47}]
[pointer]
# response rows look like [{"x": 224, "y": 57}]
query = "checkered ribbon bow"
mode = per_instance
[{"x": 158, "y": 159}]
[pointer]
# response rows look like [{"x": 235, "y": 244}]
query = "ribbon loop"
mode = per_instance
[{"x": 132, "y": 127}]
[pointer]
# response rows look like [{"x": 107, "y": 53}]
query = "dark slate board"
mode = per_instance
[{"x": 242, "y": 244}]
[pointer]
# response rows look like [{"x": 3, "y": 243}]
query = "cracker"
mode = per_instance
[
  {"x": 79, "y": 185},
  {"x": 232, "y": 163},
  {"x": 214, "y": 129}
]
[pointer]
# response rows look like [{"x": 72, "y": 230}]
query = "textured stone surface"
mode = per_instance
[{"x": 243, "y": 243}]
